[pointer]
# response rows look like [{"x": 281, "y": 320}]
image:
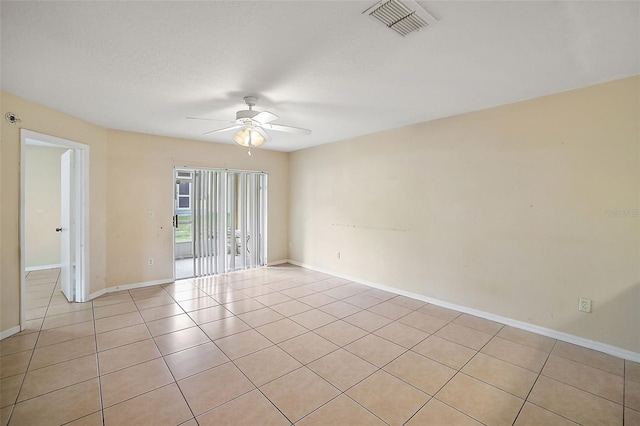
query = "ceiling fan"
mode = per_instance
[{"x": 253, "y": 125}]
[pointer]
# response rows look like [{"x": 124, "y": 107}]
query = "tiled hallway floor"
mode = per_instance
[{"x": 285, "y": 345}]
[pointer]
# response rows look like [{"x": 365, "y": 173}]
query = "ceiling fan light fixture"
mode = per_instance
[
  {"x": 253, "y": 125},
  {"x": 249, "y": 138}
]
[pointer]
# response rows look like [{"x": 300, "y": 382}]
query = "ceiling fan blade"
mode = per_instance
[
  {"x": 288, "y": 129},
  {"x": 264, "y": 117},
  {"x": 224, "y": 129},
  {"x": 209, "y": 119},
  {"x": 264, "y": 134}
]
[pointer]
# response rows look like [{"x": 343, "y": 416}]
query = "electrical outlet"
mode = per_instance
[
  {"x": 150, "y": 261},
  {"x": 584, "y": 305}
]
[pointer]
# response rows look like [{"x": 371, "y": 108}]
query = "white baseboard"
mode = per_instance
[
  {"x": 150, "y": 283},
  {"x": 42, "y": 267},
  {"x": 128, "y": 287},
  {"x": 96, "y": 294},
  {"x": 10, "y": 332},
  {"x": 555, "y": 334},
  {"x": 278, "y": 262}
]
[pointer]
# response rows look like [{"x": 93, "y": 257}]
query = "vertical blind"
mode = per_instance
[{"x": 229, "y": 221}]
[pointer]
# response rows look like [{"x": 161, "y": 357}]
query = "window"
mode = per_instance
[
  {"x": 183, "y": 200},
  {"x": 184, "y": 195}
]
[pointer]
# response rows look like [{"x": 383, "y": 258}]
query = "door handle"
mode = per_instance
[
  {"x": 175, "y": 221},
  {"x": 58, "y": 229}
]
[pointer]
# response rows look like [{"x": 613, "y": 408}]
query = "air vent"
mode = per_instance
[{"x": 403, "y": 17}]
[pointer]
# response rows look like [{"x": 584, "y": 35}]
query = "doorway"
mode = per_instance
[
  {"x": 73, "y": 204},
  {"x": 220, "y": 221}
]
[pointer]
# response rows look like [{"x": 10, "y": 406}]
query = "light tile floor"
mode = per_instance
[
  {"x": 184, "y": 267},
  {"x": 285, "y": 345}
]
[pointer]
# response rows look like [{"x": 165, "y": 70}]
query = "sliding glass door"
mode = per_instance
[{"x": 222, "y": 225}]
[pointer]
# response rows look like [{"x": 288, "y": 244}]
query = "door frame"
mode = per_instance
[
  {"x": 173, "y": 214},
  {"x": 67, "y": 224},
  {"x": 81, "y": 207}
]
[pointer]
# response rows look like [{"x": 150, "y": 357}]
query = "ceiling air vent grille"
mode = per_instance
[{"x": 404, "y": 17}]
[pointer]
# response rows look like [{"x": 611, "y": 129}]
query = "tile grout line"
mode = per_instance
[
  {"x": 624, "y": 389},
  {"x": 534, "y": 385},
  {"x": 300, "y": 367},
  {"x": 232, "y": 361},
  {"x": 33, "y": 350},
  {"x": 303, "y": 282},
  {"x": 368, "y": 333},
  {"x": 515, "y": 419},
  {"x": 567, "y": 384},
  {"x": 584, "y": 363},
  {"x": 373, "y": 372},
  {"x": 407, "y": 350},
  {"x": 378, "y": 369},
  {"x": 163, "y": 360},
  {"x": 33, "y": 353},
  {"x": 461, "y": 372},
  {"x": 133, "y": 365},
  {"x": 213, "y": 342},
  {"x": 95, "y": 340},
  {"x": 585, "y": 390},
  {"x": 29, "y": 364}
]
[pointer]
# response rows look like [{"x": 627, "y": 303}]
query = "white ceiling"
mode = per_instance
[{"x": 145, "y": 66}]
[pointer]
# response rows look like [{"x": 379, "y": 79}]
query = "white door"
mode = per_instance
[{"x": 67, "y": 225}]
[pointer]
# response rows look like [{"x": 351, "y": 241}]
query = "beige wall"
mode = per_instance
[
  {"x": 141, "y": 180},
  {"x": 42, "y": 205},
  {"x": 44, "y": 120},
  {"x": 130, "y": 175},
  {"x": 502, "y": 210},
  {"x": 5, "y": 322}
]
